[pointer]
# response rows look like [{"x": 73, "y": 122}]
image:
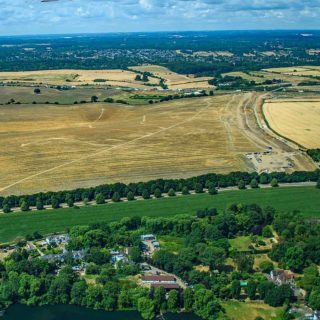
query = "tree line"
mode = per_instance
[{"x": 116, "y": 191}]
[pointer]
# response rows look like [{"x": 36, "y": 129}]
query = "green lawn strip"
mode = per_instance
[{"x": 13, "y": 225}]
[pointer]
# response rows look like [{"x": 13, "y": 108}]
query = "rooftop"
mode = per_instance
[
  {"x": 158, "y": 278},
  {"x": 165, "y": 285}
]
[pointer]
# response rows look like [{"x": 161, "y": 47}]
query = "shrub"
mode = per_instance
[{"x": 171, "y": 193}]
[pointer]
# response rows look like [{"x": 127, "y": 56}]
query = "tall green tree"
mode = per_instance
[
  {"x": 254, "y": 184},
  {"x": 39, "y": 204},
  {"x": 78, "y": 292},
  {"x": 160, "y": 299},
  {"x": 130, "y": 196},
  {"x": 145, "y": 194},
  {"x": 251, "y": 289},
  {"x": 24, "y": 206},
  {"x": 55, "y": 202},
  {"x": 198, "y": 188},
  {"x": 157, "y": 193},
  {"x": 294, "y": 258},
  {"x": 185, "y": 191},
  {"x": 173, "y": 301},
  {"x": 235, "y": 289},
  {"x": 188, "y": 299},
  {"x": 100, "y": 198},
  {"x": 116, "y": 197},
  {"x": 212, "y": 189},
  {"x": 241, "y": 185},
  {"x": 244, "y": 262},
  {"x": 146, "y": 307},
  {"x": 274, "y": 183}
]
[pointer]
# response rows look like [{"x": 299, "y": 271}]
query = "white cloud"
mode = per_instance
[
  {"x": 21, "y": 16},
  {"x": 145, "y": 4}
]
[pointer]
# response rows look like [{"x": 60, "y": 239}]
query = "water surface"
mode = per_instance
[{"x": 69, "y": 312}]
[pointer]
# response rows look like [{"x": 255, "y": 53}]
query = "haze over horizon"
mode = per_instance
[{"x": 23, "y": 17}]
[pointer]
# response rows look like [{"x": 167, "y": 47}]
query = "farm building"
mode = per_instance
[{"x": 158, "y": 279}]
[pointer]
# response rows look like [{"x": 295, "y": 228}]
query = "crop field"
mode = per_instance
[
  {"x": 117, "y": 78},
  {"x": 13, "y": 225},
  {"x": 175, "y": 80},
  {"x": 26, "y": 95},
  {"x": 261, "y": 76},
  {"x": 297, "y": 71},
  {"x": 297, "y": 120},
  {"x": 49, "y": 147}
]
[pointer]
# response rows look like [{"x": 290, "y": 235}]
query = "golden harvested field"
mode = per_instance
[
  {"x": 308, "y": 71},
  {"x": 246, "y": 76},
  {"x": 175, "y": 80},
  {"x": 115, "y": 78},
  {"x": 120, "y": 78},
  {"x": 297, "y": 120},
  {"x": 48, "y": 147},
  {"x": 262, "y": 76}
]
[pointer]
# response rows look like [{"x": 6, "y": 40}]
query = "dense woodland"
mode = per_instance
[
  {"x": 314, "y": 154},
  {"x": 27, "y": 279}
]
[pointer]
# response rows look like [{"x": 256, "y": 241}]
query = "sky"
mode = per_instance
[{"x": 19, "y": 17}]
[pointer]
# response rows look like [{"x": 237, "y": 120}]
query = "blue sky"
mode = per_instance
[{"x": 81, "y": 16}]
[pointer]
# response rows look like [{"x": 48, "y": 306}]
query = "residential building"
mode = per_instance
[{"x": 280, "y": 277}]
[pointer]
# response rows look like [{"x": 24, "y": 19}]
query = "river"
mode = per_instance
[{"x": 69, "y": 312}]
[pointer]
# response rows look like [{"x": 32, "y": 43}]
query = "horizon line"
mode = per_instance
[{"x": 150, "y": 32}]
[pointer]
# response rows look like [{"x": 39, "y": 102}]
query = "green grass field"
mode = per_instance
[
  {"x": 240, "y": 243},
  {"x": 171, "y": 243},
  {"x": 249, "y": 310},
  {"x": 305, "y": 199}
]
